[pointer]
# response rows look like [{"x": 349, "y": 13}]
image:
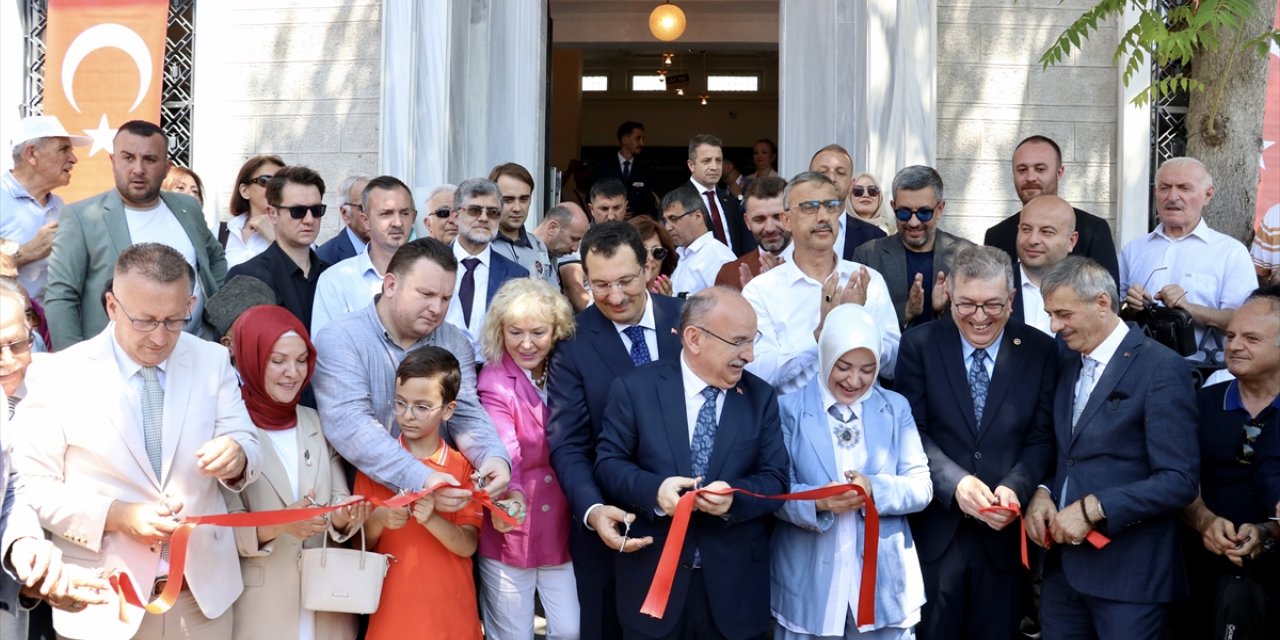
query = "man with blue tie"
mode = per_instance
[
  {"x": 699, "y": 420},
  {"x": 982, "y": 397},
  {"x": 1128, "y": 459},
  {"x": 627, "y": 327}
]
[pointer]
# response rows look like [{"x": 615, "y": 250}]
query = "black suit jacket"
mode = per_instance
[
  {"x": 856, "y": 233},
  {"x": 1013, "y": 446},
  {"x": 337, "y": 248},
  {"x": 739, "y": 234},
  {"x": 639, "y": 184},
  {"x": 645, "y": 441},
  {"x": 1095, "y": 240}
]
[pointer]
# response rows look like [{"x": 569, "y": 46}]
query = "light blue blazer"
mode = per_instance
[{"x": 803, "y": 567}]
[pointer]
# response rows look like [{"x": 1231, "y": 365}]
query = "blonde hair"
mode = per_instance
[{"x": 524, "y": 298}]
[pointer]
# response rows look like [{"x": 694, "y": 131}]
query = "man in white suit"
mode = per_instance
[{"x": 123, "y": 432}]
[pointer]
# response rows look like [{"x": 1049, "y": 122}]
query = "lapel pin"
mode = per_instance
[
  {"x": 306, "y": 457},
  {"x": 674, "y": 332},
  {"x": 738, "y": 389},
  {"x": 1017, "y": 341}
]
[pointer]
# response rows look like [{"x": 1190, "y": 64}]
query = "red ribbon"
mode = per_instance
[
  {"x": 1095, "y": 538},
  {"x": 123, "y": 585},
  {"x": 655, "y": 603}
]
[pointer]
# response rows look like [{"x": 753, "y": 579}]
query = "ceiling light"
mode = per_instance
[{"x": 667, "y": 22}]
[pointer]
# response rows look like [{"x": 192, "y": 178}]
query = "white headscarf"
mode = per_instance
[{"x": 847, "y": 327}]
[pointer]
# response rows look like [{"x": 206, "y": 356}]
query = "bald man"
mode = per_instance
[{"x": 1046, "y": 235}]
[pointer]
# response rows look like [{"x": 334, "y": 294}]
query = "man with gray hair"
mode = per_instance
[
  {"x": 982, "y": 397},
  {"x": 1127, "y": 464},
  {"x": 477, "y": 204},
  {"x": 1183, "y": 263},
  {"x": 437, "y": 219},
  {"x": 353, "y": 238},
  {"x": 915, "y": 260},
  {"x": 701, "y": 256},
  {"x": 29, "y": 211}
]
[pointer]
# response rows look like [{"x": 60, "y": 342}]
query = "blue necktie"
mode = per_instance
[
  {"x": 152, "y": 416},
  {"x": 1087, "y": 373},
  {"x": 704, "y": 433},
  {"x": 979, "y": 382},
  {"x": 467, "y": 290},
  {"x": 639, "y": 348}
]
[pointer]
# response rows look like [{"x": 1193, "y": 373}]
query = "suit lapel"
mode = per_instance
[
  {"x": 1111, "y": 375},
  {"x": 122, "y": 418},
  {"x": 814, "y": 426},
  {"x": 607, "y": 343},
  {"x": 895, "y": 265},
  {"x": 117, "y": 225},
  {"x": 275, "y": 474},
  {"x": 528, "y": 396},
  {"x": 951, "y": 358},
  {"x": 877, "y": 429},
  {"x": 1017, "y": 293},
  {"x": 1002, "y": 375},
  {"x": 667, "y": 325},
  {"x": 671, "y": 399},
  {"x": 311, "y": 448},
  {"x": 177, "y": 390},
  {"x": 497, "y": 275}
]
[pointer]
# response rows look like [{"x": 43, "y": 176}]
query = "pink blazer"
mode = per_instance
[{"x": 520, "y": 416}]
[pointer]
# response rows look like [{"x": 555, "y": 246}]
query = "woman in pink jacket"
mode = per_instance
[{"x": 526, "y": 318}]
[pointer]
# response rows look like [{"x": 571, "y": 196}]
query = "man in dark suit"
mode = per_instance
[
  {"x": 1128, "y": 458},
  {"x": 915, "y": 260},
  {"x": 706, "y": 165},
  {"x": 1037, "y": 166},
  {"x": 834, "y": 162},
  {"x": 353, "y": 237},
  {"x": 627, "y": 168},
  {"x": 626, "y": 327},
  {"x": 982, "y": 397},
  {"x": 700, "y": 420}
]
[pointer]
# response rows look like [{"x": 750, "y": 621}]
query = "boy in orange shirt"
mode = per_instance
[{"x": 429, "y": 591}]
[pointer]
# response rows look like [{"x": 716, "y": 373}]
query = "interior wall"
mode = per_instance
[{"x": 566, "y": 106}]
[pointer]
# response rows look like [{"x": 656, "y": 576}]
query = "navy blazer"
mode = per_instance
[
  {"x": 743, "y": 241},
  {"x": 1095, "y": 240},
  {"x": 337, "y": 248},
  {"x": 500, "y": 271},
  {"x": 1013, "y": 446},
  {"x": 1135, "y": 447},
  {"x": 646, "y": 440},
  {"x": 582, "y": 370},
  {"x": 639, "y": 184},
  {"x": 856, "y": 233}
]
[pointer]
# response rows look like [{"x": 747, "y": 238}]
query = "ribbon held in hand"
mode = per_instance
[
  {"x": 123, "y": 585},
  {"x": 655, "y": 603}
]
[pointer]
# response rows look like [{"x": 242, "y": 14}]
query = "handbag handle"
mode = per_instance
[{"x": 324, "y": 548}]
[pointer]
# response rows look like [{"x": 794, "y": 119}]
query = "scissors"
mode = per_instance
[{"x": 626, "y": 535}]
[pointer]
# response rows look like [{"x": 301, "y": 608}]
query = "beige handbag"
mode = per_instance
[{"x": 343, "y": 580}]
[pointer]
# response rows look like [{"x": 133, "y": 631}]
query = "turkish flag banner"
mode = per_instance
[
  {"x": 103, "y": 64},
  {"x": 1269, "y": 177}
]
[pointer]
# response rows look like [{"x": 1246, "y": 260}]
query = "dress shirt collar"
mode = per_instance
[
  {"x": 19, "y": 192},
  {"x": 1106, "y": 351},
  {"x": 967, "y": 349},
  {"x": 622, "y": 159},
  {"x": 128, "y": 368},
  {"x": 365, "y": 264},
  {"x": 375, "y": 322},
  {"x": 1231, "y": 400},
  {"x": 236, "y": 223},
  {"x": 697, "y": 244},
  {"x": 829, "y": 400},
  {"x": 522, "y": 239},
  {"x": 646, "y": 320},
  {"x": 1027, "y": 284},
  {"x": 693, "y": 385},
  {"x": 1201, "y": 232},
  {"x": 360, "y": 245},
  {"x": 702, "y": 191},
  {"x": 461, "y": 254}
]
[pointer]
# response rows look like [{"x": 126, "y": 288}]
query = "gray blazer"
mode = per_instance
[
  {"x": 889, "y": 257},
  {"x": 90, "y": 237}
]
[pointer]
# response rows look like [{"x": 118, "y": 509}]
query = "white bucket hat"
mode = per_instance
[{"x": 33, "y": 127}]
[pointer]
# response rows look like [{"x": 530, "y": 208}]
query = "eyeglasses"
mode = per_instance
[
  {"x": 736, "y": 344},
  {"x": 989, "y": 308},
  {"x": 171, "y": 325},
  {"x": 659, "y": 253},
  {"x": 1250, "y": 432},
  {"x": 415, "y": 411},
  {"x": 674, "y": 219},
  {"x": 857, "y": 190},
  {"x": 443, "y": 212},
  {"x": 474, "y": 211},
  {"x": 923, "y": 214},
  {"x": 621, "y": 284},
  {"x": 19, "y": 347},
  {"x": 261, "y": 180},
  {"x": 299, "y": 211},
  {"x": 812, "y": 206}
]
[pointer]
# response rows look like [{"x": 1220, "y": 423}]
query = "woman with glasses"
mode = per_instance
[
  {"x": 275, "y": 358},
  {"x": 660, "y": 254},
  {"x": 869, "y": 203},
  {"x": 844, "y": 428},
  {"x": 249, "y": 231},
  {"x": 526, "y": 319}
]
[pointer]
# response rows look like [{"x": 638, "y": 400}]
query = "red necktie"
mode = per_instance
[{"x": 718, "y": 231}]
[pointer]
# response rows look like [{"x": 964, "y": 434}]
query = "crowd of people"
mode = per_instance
[{"x": 740, "y": 332}]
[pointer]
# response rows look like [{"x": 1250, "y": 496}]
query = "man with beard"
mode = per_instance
[
  {"x": 834, "y": 162},
  {"x": 766, "y": 217},
  {"x": 919, "y": 252}
]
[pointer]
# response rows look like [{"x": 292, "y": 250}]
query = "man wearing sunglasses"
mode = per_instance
[
  {"x": 437, "y": 220},
  {"x": 354, "y": 236},
  {"x": 916, "y": 260},
  {"x": 93, "y": 232},
  {"x": 289, "y": 266},
  {"x": 701, "y": 256},
  {"x": 834, "y": 162}
]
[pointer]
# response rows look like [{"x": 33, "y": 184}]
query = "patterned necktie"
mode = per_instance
[
  {"x": 467, "y": 290},
  {"x": 718, "y": 226},
  {"x": 847, "y": 432},
  {"x": 626, "y": 171},
  {"x": 13, "y": 406},
  {"x": 979, "y": 382},
  {"x": 639, "y": 348},
  {"x": 152, "y": 415},
  {"x": 704, "y": 433},
  {"x": 1087, "y": 373}
]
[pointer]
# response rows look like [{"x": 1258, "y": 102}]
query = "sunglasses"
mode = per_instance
[
  {"x": 1251, "y": 430},
  {"x": 261, "y": 180},
  {"x": 659, "y": 253},
  {"x": 475, "y": 210},
  {"x": 442, "y": 212},
  {"x": 812, "y": 206},
  {"x": 299, "y": 211},
  {"x": 923, "y": 214},
  {"x": 857, "y": 190}
]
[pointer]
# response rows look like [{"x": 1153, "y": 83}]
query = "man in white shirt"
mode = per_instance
[
  {"x": 700, "y": 255},
  {"x": 386, "y": 208},
  {"x": 481, "y": 271},
  {"x": 1184, "y": 264},
  {"x": 1046, "y": 235},
  {"x": 792, "y": 299}
]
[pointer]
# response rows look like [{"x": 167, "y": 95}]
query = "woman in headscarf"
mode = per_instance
[
  {"x": 842, "y": 427},
  {"x": 275, "y": 358}
]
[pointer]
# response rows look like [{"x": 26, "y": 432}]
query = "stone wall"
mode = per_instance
[
  {"x": 992, "y": 93},
  {"x": 297, "y": 78}
]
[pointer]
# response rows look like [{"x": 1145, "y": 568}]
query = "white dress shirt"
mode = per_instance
[
  {"x": 788, "y": 303},
  {"x": 1104, "y": 353},
  {"x": 845, "y": 528},
  {"x": 650, "y": 327},
  {"x": 1213, "y": 268},
  {"x": 699, "y": 264},
  {"x": 237, "y": 249},
  {"x": 693, "y": 399},
  {"x": 989, "y": 363},
  {"x": 344, "y": 287},
  {"x": 479, "y": 302},
  {"x": 1033, "y": 313},
  {"x": 159, "y": 224},
  {"x": 728, "y": 240}
]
